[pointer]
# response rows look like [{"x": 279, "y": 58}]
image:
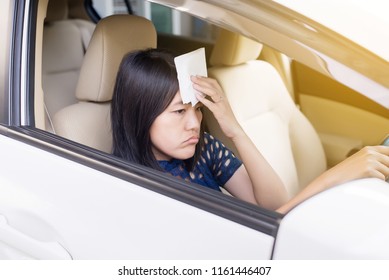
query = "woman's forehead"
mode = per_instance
[{"x": 177, "y": 100}]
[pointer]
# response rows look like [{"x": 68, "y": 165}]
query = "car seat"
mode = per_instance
[
  {"x": 88, "y": 121},
  {"x": 64, "y": 44},
  {"x": 266, "y": 111}
]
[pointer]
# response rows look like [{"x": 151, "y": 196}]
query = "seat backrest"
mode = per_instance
[
  {"x": 266, "y": 111},
  {"x": 64, "y": 44},
  {"x": 88, "y": 121}
]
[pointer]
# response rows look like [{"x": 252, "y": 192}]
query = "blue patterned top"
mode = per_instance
[{"x": 215, "y": 167}]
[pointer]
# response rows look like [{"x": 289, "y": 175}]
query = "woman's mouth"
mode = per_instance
[{"x": 192, "y": 140}]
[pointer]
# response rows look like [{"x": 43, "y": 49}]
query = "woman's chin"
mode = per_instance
[{"x": 186, "y": 154}]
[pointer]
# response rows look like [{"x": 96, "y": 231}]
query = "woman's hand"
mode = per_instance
[
  {"x": 370, "y": 161},
  {"x": 217, "y": 104}
]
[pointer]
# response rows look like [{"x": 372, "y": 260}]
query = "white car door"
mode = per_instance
[{"x": 52, "y": 207}]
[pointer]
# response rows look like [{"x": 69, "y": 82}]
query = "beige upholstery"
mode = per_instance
[
  {"x": 57, "y": 10},
  {"x": 266, "y": 111},
  {"x": 64, "y": 43},
  {"x": 88, "y": 121}
]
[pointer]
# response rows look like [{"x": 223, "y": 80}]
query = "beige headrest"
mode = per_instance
[
  {"x": 233, "y": 49},
  {"x": 113, "y": 37},
  {"x": 57, "y": 10}
]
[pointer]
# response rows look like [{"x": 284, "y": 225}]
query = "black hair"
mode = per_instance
[{"x": 146, "y": 84}]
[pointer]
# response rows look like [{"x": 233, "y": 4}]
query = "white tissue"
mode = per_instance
[{"x": 187, "y": 65}]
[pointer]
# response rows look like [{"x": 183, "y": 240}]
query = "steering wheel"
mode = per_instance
[{"x": 386, "y": 141}]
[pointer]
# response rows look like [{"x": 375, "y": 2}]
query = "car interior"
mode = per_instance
[
  {"x": 65, "y": 41},
  {"x": 88, "y": 120},
  {"x": 302, "y": 121},
  {"x": 290, "y": 135}
]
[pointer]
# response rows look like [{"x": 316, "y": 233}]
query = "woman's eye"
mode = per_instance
[{"x": 181, "y": 111}]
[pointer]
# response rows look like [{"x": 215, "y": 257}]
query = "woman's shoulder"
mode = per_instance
[
  {"x": 209, "y": 138},
  {"x": 220, "y": 160}
]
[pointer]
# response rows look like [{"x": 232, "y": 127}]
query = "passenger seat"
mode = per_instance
[
  {"x": 65, "y": 41},
  {"x": 266, "y": 111},
  {"x": 88, "y": 121}
]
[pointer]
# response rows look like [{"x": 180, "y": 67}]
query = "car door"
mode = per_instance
[{"x": 57, "y": 207}]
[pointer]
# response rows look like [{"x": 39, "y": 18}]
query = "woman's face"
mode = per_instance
[{"x": 175, "y": 132}]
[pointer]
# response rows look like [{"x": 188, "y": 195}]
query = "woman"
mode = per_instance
[{"x": 151, "y": 126}]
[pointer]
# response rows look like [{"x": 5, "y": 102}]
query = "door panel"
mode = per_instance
[
  {"x": 333, "y": 117},
  {"x": 334, "y": 108},
  {"x": 94, "y": 215},
  {"x": 345, "y": 119}
]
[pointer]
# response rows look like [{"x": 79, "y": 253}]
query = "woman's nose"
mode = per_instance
[{"x": 193, "y": 119}]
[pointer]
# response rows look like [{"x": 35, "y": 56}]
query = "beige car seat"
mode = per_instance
[
  {"x": 266, "y": 111},
  {"x": 64, "y": 44},
  {"x": 88, "y": 121}
]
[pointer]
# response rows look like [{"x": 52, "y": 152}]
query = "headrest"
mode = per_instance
[
  {"x": 233, "y": 49},
  {"x": 57, "y": 10},
  {"x": 113, "y": 37}
]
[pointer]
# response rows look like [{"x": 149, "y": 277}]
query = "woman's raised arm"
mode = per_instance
[{"x": 256, "y": 175}]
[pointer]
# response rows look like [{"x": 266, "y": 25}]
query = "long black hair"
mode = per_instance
[{"x": 146, "y": 84}]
